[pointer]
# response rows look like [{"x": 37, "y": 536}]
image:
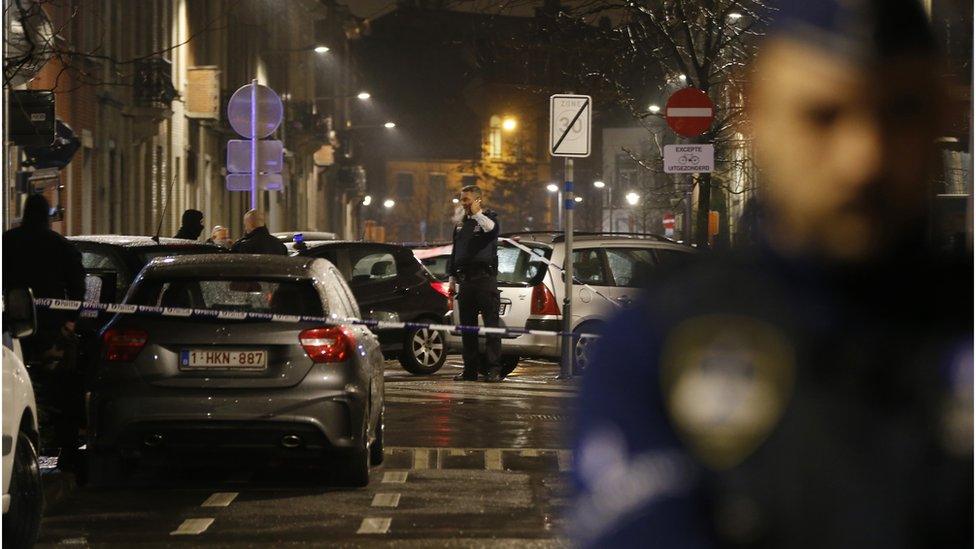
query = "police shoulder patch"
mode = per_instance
[{"x": 726, "y": 382}]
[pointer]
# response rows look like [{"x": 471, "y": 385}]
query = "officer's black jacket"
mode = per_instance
[
  {"x": 259, "y": 241},
  {"x": 473, "y": 246},
  {"x": 862, "y": 449},
  {"x": 39, "y": 258}
]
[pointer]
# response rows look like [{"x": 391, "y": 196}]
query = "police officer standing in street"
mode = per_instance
[
  {"x": 257, "y": 239},
  {"x": 37, "y": 257},
  {"x": 474, "y": 264},
  {"x": 816, "y": 388}
]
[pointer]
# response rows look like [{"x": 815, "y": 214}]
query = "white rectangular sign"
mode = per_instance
[
  {"x": 270, "y": 156},
  {"x": 266, "y": 182},
  {"x": 570, "y": 118},
  {"x": 689, "y": 158}
]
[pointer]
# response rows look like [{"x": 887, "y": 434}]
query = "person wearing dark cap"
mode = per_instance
[
  {"x": 37, "y": 257},
  {"x": 191, "y": 225},
  {"x": 814, "y": 390}
]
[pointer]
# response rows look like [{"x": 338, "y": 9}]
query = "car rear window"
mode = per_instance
[
  {"x": 516, "y": 267},
  {"x": 240, "y": 295}
]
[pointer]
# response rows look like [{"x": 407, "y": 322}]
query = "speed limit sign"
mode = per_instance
[{"x": 569, "y": 125}]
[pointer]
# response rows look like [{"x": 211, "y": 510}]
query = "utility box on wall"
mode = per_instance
[{"x": 203, "y": 92}]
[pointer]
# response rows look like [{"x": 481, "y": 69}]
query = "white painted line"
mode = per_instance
[
  {"x": 192, "y": 527},
  {"x": 386, "y": 500},
  {"x": 493, "y": 460},
  {"x": 678, "y": 111},
  {"x": 529, "y": 453},
  {"x": 219, "y": 499},
  {"x": 565, "y": 459},
  {"x": 456, "y": 452},
  {"x": 375, "y": 526},
  {"x": 421, "y": 459},
  {"x": 395, "y": 477}
]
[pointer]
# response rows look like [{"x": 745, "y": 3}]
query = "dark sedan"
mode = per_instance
[
  {"x": 387, "y": 277},
  {"x": 227, "y": 386}
]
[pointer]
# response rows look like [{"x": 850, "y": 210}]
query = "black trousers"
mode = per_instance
[{"x": 480, "y": 295}]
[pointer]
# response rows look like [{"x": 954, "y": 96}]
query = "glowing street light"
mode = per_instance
[
  {"x": 654, "y": 108},
  {"x": 321, "y": 49},
  {"x": 682, "y": 77},
  {"x": 363, "y": 95},
  {"x": 389, "y": 125},
  {"x": 552, "y": 187},
  {"x": 599, "y": 184},
  {"x": 454, "y": 201},
  {"x": 367, "y": 200},
  {"x": 509, "y": 124},
  {"x": 578, "y": 199},
  {"x": 389, "y": 203},
  {"x": 632, "y": 198},
  {"x": 735, "y": 16}
]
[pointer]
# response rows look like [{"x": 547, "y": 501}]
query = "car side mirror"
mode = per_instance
[{"x": 19, "y": 313}]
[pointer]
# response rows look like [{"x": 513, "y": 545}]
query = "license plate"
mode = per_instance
[{"x": 226, "y": 359}]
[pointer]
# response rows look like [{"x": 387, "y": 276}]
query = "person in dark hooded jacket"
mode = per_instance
[
  {"x": 257, "y": 239},
  {"x": 191, "y": 225},
  {"x": 37, "y": 257}
]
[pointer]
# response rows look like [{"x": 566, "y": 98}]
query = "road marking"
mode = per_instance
[
  {"x": 192, "y": 527},
  {"x": 386, "y": 500},
  {"x": 73, "y": 541},
  {"x": 456, "y": 452},
  {"x": 493, "y": 460},
  {"x": 529, "y": 453},
  {"x": 375, "y": 526},
  {"x": 219, "y": 499},
  {"x": 421, "y": 459},
  {"x": 395, "y": 477},
  {"x": 565, "y": 460}
]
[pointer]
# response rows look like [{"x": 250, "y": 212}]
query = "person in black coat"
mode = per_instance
[
  {"x": 191, "y": 225},
  {"x": 257, "y": 239},
  {"x": 37, "y": 257}
]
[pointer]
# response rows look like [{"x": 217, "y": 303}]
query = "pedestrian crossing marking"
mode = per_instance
[
  {"x": 529, "y": 453},
  {"x": 192, "y": 527},
  {"x": 386, "y": 500},
  {"x": 219, "y": 499},
  {"x": 421, "y": 459},
  {"x": 395, "y": 477},
  {"x": 493, "y": 460},
  {"x": 375, "y": 526}
]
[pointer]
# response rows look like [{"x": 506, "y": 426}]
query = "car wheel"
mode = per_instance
[
  {"x": 376, "y": 449},
  {"x": 352, "y": 468},
  {"x": 423, "y": 351},
  {"x": 508, "y": 364},
  {"x": 583, "y": 347},
  {"x": 22, "y": 521}
]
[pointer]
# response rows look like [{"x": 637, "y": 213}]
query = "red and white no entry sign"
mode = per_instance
[{"x": 689, "y": 112}]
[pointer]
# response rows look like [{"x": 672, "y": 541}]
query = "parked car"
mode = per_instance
[
  {"x": 168, "y": 386},
  {"x": 23, "y": 497},
  {"x": 387, "y": 277},
  {"x": 435, "y": 259},
  {"x": 614, "y": 266}
]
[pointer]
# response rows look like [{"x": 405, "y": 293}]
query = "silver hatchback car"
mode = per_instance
[{"x": 197, "y": 387}]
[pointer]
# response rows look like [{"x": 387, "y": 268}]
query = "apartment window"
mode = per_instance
[
  {"x": 404, "y": 184},
  {"x": 438, "y": 186}
]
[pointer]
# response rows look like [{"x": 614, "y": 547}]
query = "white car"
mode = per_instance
[
  {"x": 609, "y": 269},
  {"x": 23, "y": 498}
]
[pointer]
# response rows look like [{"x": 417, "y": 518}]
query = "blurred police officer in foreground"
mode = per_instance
[
  {"x": 37, "y": 257},
  {"x": 814, "y": 390},
  {"x": 474, "y": 264}
]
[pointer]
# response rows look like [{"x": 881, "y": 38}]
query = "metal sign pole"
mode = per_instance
[
  {"x": 566, "y": 363},
  {"x": 254, "y": 144}
]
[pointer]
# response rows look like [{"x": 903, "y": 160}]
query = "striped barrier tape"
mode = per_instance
[{"x": 332, "y": 320}]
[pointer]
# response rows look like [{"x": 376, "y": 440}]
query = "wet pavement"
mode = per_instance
[{"x": 467, "y": 464}]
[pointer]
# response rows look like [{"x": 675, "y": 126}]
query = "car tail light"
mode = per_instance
[
  {"x": 543, "y": 302},
  {"x": 444, "y": 288},
  {"x": 123, "y": 345},
  {"x": 327, "y": 344}
]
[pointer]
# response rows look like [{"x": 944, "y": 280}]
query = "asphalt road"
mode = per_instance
[{"x": 467, "y": 464}]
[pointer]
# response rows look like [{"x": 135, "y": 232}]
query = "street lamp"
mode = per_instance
[
  {"x": 735, "y": 16},
  {"x": 632, "y": 198},
  {"x": 454, "y": 201},
  {"x": 367, "y": 200},
  {"x": 509, "y": 124},
  {"x": 578, "y": 199},
  {"x": 321, "y": 49},
  {"x": 389, "y": 125},
  {"x": 552, "y": 187},
  {"x": 599, "y": 184},
  {"x": 389, "y": 203},
  {"x": 363, "y": 95},
  {"x": 654, "y": 108}
]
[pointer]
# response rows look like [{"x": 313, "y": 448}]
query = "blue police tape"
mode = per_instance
[{"x": 334, "y": 320}]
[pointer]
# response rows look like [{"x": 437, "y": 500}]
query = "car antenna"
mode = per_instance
[{"x": 162, "y": 215}]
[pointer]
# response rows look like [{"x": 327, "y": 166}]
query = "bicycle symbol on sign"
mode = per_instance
[{"x": 689, "y": 159}]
